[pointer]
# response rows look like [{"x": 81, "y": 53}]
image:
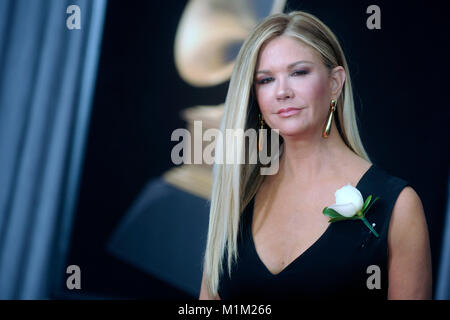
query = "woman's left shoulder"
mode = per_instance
[
  {"x": 408, "y": 200},
  {"x": 408, "y": 217},
  {"x": 409, "y": 249}
]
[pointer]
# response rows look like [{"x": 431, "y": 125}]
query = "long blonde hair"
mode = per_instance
[{"x": 235, "y": 184}]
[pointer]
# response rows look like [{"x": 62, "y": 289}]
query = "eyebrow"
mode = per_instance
[{"x": 289, "y": 66}]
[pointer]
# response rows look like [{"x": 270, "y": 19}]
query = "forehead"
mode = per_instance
[{"x": 284, "y": 50}]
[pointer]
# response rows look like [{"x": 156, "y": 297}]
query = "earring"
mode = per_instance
[
  {"x": 260, "y": 138},
  {"x": 326, "y": 131}
]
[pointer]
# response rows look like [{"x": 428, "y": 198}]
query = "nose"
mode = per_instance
[{"x": 284, "y": 91}]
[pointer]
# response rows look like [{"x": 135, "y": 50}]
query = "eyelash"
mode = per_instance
[{"x": 295, "y": 73}]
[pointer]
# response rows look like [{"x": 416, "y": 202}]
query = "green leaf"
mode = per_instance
[
  {"x": 331, "y": 213},
  {"x": 341, "y": 218},
  {"x": 367, "y": 209},
  {"x": 366, "y": 203},
  {"x": 369, "y": 226}
]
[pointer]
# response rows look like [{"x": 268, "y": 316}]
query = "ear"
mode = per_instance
[{"x": 337, "y": 80}]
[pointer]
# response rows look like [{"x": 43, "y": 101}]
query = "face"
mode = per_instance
[{"x": 293, "y": 87}]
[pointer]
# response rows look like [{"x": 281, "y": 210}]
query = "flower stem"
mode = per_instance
[{"x": 369, "y": 226}]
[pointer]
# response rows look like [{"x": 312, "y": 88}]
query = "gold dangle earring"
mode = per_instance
[
  {"x": 260, "y": 138},
  {"x": 326, "y": 131}
]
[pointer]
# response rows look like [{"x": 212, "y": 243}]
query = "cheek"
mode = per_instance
[{"x": 315, "y": 91}]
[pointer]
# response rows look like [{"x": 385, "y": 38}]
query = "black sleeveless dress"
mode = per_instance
[{"x": 334, "y": 267}]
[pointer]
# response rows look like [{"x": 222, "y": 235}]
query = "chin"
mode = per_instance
[
  {"x": 289, "y": 128},
  {"x": 291, "y": 132}
]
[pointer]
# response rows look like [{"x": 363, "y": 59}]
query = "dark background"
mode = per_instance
[{"x": 399, "y": 77}]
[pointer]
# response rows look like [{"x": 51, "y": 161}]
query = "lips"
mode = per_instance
[{"x": 287, "y": 112}]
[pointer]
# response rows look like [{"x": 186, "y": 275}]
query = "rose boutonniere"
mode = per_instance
[{"x": 350, "y": 206}]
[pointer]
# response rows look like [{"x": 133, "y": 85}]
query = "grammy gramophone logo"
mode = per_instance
[{"x": 208, "y": 38}]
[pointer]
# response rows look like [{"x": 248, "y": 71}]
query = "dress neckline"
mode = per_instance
[{"x": 309, "y": 249}]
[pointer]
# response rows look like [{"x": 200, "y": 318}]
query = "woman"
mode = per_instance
[{"x": 268, "y": 237}]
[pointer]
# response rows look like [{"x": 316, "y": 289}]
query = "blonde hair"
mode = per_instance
[{"x": 235, "y": 185}]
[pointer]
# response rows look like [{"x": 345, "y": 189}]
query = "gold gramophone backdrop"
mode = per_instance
[
  {"x": 207, "y": 41},
  {"x": 141, "y": 220}
]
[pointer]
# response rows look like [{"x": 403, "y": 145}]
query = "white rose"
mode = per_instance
[{"x": 348, "y": 201}]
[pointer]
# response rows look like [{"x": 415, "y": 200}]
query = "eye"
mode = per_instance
[
  {"x": 299, "y": 72},
  {"x": 264, "y": 80}
]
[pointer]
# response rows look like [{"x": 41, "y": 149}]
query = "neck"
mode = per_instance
[{"x": 306, "y": 160}]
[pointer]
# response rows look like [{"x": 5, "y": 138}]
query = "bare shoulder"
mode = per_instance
[
  {"x": 409, "y": 251},
  {"x": 407, "y": 213}
]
